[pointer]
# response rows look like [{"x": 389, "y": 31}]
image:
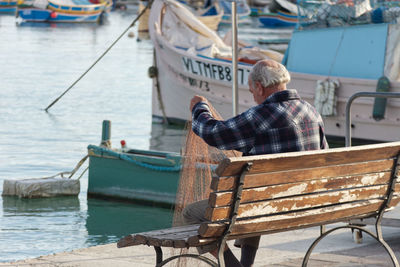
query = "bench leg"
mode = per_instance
[
  {"x": 377, "y": 237},
  {"x": 161, "y": 262},
  {"x": 159, "y": 255},
  {"x": 221, "y": 248}
]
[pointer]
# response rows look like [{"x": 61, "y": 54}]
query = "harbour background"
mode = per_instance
[{"x": 39, "y": 61}]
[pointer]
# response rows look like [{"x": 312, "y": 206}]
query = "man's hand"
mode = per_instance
[{"x": 196, "y": 99}]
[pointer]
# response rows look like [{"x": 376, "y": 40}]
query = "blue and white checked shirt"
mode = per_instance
[{"x": 282, "y": 123}]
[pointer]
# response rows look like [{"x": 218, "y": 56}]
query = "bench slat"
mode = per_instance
[
  {"x": 294, "y": 203},
  {"x": 218, "y": 199},
  {"x": 282, "y": 177},
  {"x": 297, "y": 220},
  {"x": 165, "y": 235},
  {"x": 308, "y": 159}
]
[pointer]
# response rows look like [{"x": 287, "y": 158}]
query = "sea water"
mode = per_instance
[{"x": 38, "y": 62}]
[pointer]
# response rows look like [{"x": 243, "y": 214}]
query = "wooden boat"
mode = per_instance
[
  {"x": 8, "y": 6},
  {"x": 211, "y": 15},
  {"x": 354, "y": 56},
  {"x": 61, "y": 11},
  {"x": 137, "y": 175},
  {"x": 243, "y": 11},
  {"x": 192, "y": 59},
  {"x": 45, "y": 15},
  {"x": 76, "y": 6},
  {"x": 132, "y": 174},
  {"x": 279, "y": 19},
  {"x": 143, "y": 27}
]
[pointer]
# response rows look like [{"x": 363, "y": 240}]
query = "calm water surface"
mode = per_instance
[{"x": 38, "y": 62}]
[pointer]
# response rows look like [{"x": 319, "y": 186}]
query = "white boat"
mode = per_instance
[
  {"x": 210, "y": 15},
  {"x": 191, "y": 59},
  {"x": 340, "y": 60}
]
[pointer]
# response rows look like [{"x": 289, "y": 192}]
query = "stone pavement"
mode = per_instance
[{"x": 277, "y": 250}]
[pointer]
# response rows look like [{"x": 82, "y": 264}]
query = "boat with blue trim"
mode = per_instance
[
  {"x": 62, "y": 11},
  {"x": 76, "y": 6},
  {"x": 279, "y": 19},
  {"x": 242, "y": 8},
  {"x": 8, "y": 6},
  {"x": 147, "y": 176},
  {"x": 137, "y": 175},
  {"x": 343, "y": 48}
]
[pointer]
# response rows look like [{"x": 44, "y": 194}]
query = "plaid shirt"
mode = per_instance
[{"x": 282, "y": 123}]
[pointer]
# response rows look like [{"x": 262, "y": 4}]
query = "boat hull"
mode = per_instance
[
  {"x": 45, "y": 15},
  {"x": 73, "y": 8},
  {"x": 364, "y": 126},
  {"x": 279, "y": 19},
  {"x": 150, "y": 176},
  {"x": 178, "y": 84},
  {"x": 8, "y": 6},
  {"x": 181, "y": 75}
]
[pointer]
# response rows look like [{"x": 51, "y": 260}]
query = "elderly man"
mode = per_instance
[{"x": 280, "y": 122}]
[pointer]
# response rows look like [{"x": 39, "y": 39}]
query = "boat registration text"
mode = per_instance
[{"x": 214, "y": 71}]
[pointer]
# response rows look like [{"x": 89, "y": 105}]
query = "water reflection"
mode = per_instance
[
  {"x": 14, "y": 206},
  {"x": 33, "y": 227},
  {"x": 108, "y": 221},
  {"x": 167, "y": 137}
]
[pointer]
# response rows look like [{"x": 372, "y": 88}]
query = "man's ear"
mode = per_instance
[{"x": 260, "y": 89}]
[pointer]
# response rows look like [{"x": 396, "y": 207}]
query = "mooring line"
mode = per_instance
[{"x": 105, "y": 52}]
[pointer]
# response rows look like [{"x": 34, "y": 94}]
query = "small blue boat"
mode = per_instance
[
  {"x": 8, "y": 6},
  {"x": 63, "y": 11},
  {"x": 279, "y": 19},
  {"x": 76, "y": 6},
  {"x": 46, "y": 15}
]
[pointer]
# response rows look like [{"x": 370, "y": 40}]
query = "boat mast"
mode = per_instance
[{"x": 234, "y": 59}]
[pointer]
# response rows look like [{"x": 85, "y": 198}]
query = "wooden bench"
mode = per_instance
[{"x": 259, "y": 195}]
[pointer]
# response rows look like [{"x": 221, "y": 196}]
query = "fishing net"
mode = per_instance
[
  {"x": 338, "y": 13},
  {"x": 199, "y": 161}
]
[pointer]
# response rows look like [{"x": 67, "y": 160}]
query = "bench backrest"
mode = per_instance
[{"x": 300, "y": 189}]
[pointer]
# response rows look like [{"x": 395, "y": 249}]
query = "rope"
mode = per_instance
[
  {"x": 105, "y": 52},
  {"x": 159, "y": 97},
  {"x": 136, "y": 162},
  {"x": 71, "y": 173},
  {"x": 78, "y": 166},
  {"x": 336, "y": 53}
]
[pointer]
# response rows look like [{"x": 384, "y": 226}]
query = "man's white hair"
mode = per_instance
[{"x": 269, "y": 73}]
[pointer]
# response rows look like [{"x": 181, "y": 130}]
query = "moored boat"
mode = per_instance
[
  {"x": 342, "y": 59},
  {"x": 8, "y": 6},
  {"x": 242, "y": 8},
  {"x": 192, "y": 59},
  {"x": 76, "y": 6},
  {"x": 210, "y": 15},
  {"x": 61, "y": 11},
  {"x": 131, "y": 174},
  {"x": 279, "y": 19},
  {"x": 339, "y": 50},
  {"x": 137, "y": 175}
]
